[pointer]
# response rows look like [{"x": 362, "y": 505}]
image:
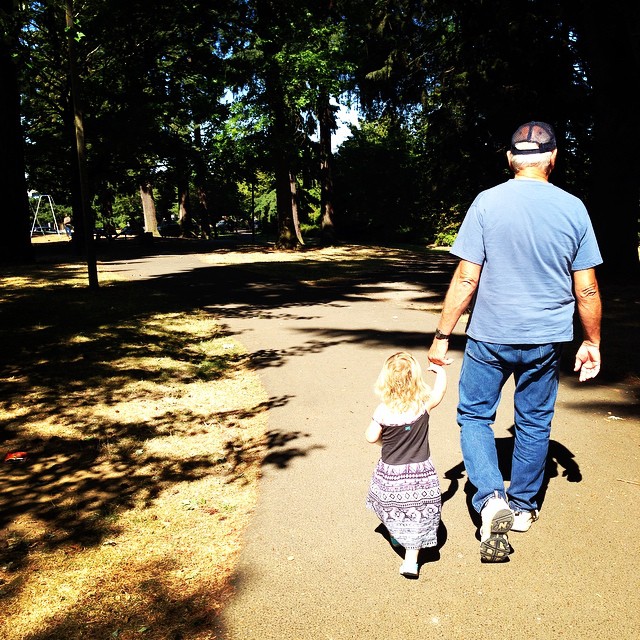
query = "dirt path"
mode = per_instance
[{"x": 315, "y": 565}]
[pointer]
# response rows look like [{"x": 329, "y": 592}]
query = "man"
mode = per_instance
[
  {"x": 527, "y": 253},
  {"x": 68, "y": 226}
]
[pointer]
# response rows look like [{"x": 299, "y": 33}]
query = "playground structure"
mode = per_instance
[{"x": 35, "y": 227}]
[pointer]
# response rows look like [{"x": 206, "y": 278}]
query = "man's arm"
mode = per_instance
[
  {"x": 589, "y": 307},
  {"x": 461, "y": 289}
]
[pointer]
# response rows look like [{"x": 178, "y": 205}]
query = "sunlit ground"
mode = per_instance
[{"x": 143, "y": 430}]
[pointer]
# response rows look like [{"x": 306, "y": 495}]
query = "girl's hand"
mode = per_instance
[{"x": 436, "y": 368}]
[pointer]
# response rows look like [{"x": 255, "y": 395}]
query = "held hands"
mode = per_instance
[
  {"x": 587, "y": 361},
  {"x": 438, "y": 353}
]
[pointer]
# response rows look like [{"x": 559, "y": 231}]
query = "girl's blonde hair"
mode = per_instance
[{"x": 400, "y": 384}]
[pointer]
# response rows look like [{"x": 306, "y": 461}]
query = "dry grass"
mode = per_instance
[{"x": 144, "y": 432}]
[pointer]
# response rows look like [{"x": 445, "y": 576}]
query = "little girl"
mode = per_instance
[{"x": 404, "y": 491}]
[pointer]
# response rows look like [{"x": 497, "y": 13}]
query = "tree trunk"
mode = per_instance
[
  {"x": 184, "y": 211},
  {"x": 87, "y": 226},
  {"x": 293, "y": 187},
  {"x": 281, "y": 154},
  {"x": 200, "y": 184},
  {"x": 15, "y": 240},
  {"x": 287, "y": 238},
  {"x": 327, "y": 125},
  {"x": 148, "y": 208}
]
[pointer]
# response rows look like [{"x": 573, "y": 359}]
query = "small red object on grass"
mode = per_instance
[{"x": 16, "y": 456}]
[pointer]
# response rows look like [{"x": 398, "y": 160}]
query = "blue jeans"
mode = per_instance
[{"x": 485, "y": 369}]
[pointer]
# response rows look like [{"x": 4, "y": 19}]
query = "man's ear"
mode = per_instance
[{"x": 509, "y": 159}]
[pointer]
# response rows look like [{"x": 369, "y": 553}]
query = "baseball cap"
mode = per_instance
[{"x": 533, "y": 137}]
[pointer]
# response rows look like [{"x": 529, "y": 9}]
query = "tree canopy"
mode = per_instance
[{"x": 227, "y": 109}]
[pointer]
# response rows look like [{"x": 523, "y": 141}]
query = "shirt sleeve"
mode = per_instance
[
  {"x": 588, "y": 254},
  {"x": 469, "y": 244},
  {"x": 378, "y": 414}
]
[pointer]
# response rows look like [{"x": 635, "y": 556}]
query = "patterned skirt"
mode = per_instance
[{"x": 406, "y": 498}]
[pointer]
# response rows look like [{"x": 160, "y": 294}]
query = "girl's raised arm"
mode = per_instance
[
  {"x": 439, "y": 386},
  {"x": 372, "y": 434}
]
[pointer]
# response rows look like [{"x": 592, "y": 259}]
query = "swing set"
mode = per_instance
[{"x": 35, "y": 227}]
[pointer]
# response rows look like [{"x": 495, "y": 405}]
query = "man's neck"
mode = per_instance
[{"x": 532, "y": 173}]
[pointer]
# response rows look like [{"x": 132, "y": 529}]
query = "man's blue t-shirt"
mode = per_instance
[{"x": 529, "y": 236}]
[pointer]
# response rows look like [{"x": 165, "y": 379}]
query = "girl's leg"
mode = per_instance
[
  {"x": 409, "y": 568},
  {"x": 411, "y": 556}
]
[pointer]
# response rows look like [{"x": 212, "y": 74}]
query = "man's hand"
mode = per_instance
[
  {"x": 587, "y": 361},
  {"x": 438, "y": 352}
]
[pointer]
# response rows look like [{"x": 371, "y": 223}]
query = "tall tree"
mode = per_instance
[
  {"x": 292, "y": 67},
  {"x": 487, "y": 69},
  {"x": 609, "y": 41},
  {"x": 84, "y": 226},
  {"x": 15, "y": 243},
  {"x": 326, "y": 126},
  {"x": 271, "y": 39}
]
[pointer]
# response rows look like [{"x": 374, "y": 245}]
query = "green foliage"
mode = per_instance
[
  {"x": 310, "y": 230},
  {"x": 446, "y": 237},
  {"x": 446, "y": 224},
  {"x": 266, "y": 207},
  {"x": 440, "y": 87},
  {"x": 378, "y": 186},
  {"x": 125, "y": 209}
]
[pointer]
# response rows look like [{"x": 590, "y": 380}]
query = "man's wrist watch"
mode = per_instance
[{"x": 441, "y": 336}]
